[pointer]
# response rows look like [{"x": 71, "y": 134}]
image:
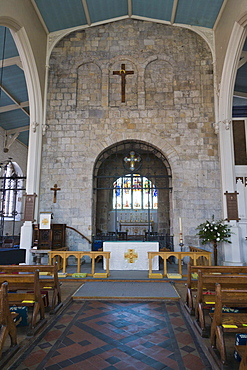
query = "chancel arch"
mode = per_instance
[{"x": 132, "y": 191}]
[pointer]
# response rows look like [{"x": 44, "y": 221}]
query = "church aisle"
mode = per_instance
[{"x": 97, "y": 335}]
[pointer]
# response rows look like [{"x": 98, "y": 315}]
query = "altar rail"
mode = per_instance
[
  {"x": 179, "y": 255},
  {"x": 202, "y": 261},
  {"x": 78, "y": 255}
]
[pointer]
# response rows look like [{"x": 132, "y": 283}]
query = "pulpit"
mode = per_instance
[{"x": 53, "y": 238}]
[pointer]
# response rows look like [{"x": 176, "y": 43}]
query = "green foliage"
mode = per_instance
[{"x": 214, "y": 231}]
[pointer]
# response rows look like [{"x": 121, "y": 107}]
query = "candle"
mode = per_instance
[
  {"x": 180, "y": 232},
  {"x": 180, "y": 225}
]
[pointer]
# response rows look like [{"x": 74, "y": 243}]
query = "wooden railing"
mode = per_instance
[
  {"x": 78, "y": 255},
  {"x": 78, "y": 232},
  {"x": 179, "y": 255},
  {"x": 202, "y": 261}
]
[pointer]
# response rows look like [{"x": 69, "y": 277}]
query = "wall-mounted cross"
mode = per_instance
[
  {"x": 55, "y": 189},
  {"x": 133, "y": 159},
  {"x": 123, "y": 73}
]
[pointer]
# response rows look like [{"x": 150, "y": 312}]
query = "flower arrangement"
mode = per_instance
[{"x": 214, "y": 231}]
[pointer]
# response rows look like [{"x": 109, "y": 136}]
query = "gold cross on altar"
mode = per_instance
[
  {"x": 123, "y": 73},
  {"x": 131, "y": 256},
  {"x": 55, "y": 189}
]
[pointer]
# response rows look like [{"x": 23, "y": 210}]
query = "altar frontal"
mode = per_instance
[{"x": 131, "y": 255}]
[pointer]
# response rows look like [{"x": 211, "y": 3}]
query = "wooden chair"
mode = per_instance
[{"x": 7, "y": 325}]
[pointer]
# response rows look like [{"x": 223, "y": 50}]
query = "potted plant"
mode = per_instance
[{"x": 214, "y": 232}]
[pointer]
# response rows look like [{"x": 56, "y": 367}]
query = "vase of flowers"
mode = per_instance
[{"x": 214, "y": 232}]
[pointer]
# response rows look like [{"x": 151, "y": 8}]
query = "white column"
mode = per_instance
[
  {"x": 26, "y": 240},
  {"x": 233, "y": 253},
  {"x": 32, "y": 185},
  {"x": 35, "y": 132}
]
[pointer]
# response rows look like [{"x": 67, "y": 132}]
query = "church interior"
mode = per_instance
[{"x": 123, "y": 174}]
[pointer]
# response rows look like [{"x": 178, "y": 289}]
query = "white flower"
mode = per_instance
[
  {"x": 218, "y": 239},
  {"x": 215, "y": 228}
]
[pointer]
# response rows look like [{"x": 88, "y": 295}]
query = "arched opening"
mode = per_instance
[
  {"x": 12, "y": 186},
  {"x": 132, "y": 192}
]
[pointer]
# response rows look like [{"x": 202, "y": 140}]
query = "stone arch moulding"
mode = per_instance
[
  {"x": 159, "y": 143},
  {"x": 35, "y": 101},
  {"x": 158, "y": 83},
  {"x": 235, "y": 46},
  {"x": 88, "y": 91},
  {"x": 233, "y": 52}
]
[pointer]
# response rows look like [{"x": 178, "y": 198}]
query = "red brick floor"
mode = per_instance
[{"x": 97, "y": 335}]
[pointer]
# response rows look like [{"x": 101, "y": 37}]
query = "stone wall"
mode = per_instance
[{"x": 169, "y": 104}]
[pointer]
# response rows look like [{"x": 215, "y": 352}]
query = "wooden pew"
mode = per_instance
[
  {"x": 7, "y": 325},
  {"x": 47, "y": 283},
  {"x": 242, "y": 352},
  {"x": 229, "y": 322},
  {"x": 192, "y": 282},
  {"x": 204, "y": 301},
  {"x": 18, "y": 286}
]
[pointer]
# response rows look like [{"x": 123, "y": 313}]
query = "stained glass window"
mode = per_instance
[{"x": 134, "y": 192}]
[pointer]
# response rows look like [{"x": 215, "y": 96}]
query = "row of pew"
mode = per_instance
[
  {"x": 27, "y": 286},
  {"x": 217, "y": 297}
]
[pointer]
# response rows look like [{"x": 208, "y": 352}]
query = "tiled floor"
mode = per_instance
[
  {"x": 116, "y": 334},
  {"x": 97, "y": 335}
]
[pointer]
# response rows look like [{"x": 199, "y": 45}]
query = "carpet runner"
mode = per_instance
[{"x": 126, "y": 290}]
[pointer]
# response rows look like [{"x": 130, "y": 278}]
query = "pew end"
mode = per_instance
[{"x": 7, "y": 327}]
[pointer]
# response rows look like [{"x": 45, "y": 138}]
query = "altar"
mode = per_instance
[{"x": 131, "y": 255}]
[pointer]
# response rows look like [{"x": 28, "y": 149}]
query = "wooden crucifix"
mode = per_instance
[
  {"x": 123, "y": 73},
  {"x": 55, "y": 189}
]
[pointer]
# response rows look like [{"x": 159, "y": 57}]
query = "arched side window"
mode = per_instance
[
  {"x": 134, "y": 192},
  {"x": 11, "y": 191}
]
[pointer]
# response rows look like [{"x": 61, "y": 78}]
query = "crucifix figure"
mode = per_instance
[
  {"x": 123, "y": 74},
  {"x": 55, "y": 189}
]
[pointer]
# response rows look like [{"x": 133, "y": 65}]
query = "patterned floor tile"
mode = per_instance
[{"x": 99, "y": 335}]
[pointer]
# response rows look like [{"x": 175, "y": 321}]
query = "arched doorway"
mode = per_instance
[{"x": 132, "y": 192}]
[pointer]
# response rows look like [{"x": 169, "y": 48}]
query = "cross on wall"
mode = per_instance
[
  {"x": 123, "y": 73},
  {"x": 55, "y": 189}
]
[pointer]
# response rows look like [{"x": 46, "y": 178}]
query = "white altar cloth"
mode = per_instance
[{"x": 132, "y": 255}]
